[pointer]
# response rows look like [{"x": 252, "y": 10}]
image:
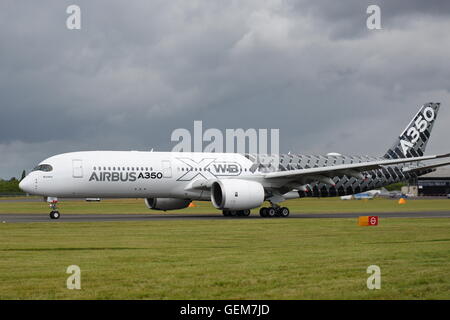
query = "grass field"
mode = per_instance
[
  {"x": 227, "y": 259},
  {"x": 321, "y": 205}
]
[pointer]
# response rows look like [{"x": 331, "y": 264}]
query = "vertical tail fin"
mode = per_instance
[{"x": 413, "y": 140}]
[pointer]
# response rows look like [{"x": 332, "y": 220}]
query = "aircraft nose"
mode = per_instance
[{"x": 25, "y": 185}]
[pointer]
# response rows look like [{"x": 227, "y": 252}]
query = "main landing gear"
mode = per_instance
[
  {"x": 266, "y": 212},
  {"x": 236, "y": 213},
  {"x": 271, "y": 212},
  {"x": 54, "y": 214}
]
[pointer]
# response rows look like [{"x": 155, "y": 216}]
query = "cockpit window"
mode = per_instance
[{"x": 43, "y": 167}]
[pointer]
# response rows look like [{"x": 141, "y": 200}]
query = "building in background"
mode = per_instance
[{"x": 435, "y": 183}]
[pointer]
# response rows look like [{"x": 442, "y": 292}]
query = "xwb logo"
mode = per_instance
[
  {"x": 208, "y": 168},
  {"x": 227, "y": 168}
]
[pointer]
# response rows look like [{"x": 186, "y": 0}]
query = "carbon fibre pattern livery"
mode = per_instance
[
  {"x": 413, "y": 140},
  {"x": 344, "y": 185},
  {"x": 410, "y": 143}
]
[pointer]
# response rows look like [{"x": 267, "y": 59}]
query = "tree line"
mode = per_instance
[{"x": 11, "y": 186}]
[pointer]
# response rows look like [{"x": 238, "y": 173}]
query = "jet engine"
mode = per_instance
[
  {"x": 166, "y": 203},
  {"x": 236, "y": 194}
]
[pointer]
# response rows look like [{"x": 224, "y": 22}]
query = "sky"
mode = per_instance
[{"x": 138, "y": 70}]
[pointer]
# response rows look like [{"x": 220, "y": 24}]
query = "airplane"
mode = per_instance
[
  {"x": 363, "y": 195},
  {"x": 233, "y": 182}
]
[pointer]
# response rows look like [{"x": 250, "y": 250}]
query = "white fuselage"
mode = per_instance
[{"x": 134, "y": 174}]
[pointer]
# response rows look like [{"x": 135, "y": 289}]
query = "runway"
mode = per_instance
[{"x": 20, "y": 217}]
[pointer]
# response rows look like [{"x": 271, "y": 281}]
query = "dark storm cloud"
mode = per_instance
[{"x": 138, "y": 70}]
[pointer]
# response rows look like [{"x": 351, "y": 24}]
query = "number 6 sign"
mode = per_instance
[{"x": 368, "y": 221}]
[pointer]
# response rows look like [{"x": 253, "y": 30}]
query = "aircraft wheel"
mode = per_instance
[
  {"x": 54, "y": 215},
  {"x": 277, "y": 212},
  {"x": 233, "y": 213},
  {"x": 246, "y": 213},
  {"x": 263, "y": 212},
  {"x": 284, "y": 212},
  {"x": 271, "y": 212}
]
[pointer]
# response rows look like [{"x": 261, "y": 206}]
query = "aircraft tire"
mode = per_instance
[
  {"x": 284, "y": 212},
  {"x": 277, "y": 212},
  {"x": 54, "y": 215},
  {"x": 271, "y": 212},
  {"x": 263, "y": 212}
]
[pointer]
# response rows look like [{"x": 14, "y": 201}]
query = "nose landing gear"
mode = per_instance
[{"x": 54, "y": 214}]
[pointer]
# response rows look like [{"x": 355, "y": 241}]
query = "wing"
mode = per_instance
[{"x": 354, "y": 169}]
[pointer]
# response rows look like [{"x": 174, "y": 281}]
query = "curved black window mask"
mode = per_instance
[{"x": 43, "y": 167}]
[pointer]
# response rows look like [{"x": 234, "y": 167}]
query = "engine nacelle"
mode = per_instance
[
  {"x": 236, "y": 194},
  {"x": 166, "y": 203}
]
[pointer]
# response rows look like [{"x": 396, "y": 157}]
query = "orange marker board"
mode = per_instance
[{"x": 368, "y": 221}]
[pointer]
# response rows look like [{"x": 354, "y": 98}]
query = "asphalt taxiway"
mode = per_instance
[{"x": 21, "y": 217}]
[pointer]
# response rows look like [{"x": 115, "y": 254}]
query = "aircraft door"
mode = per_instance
[
  {"x": 166, "y": 169},
  {"x": 77, "y": 166}
]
